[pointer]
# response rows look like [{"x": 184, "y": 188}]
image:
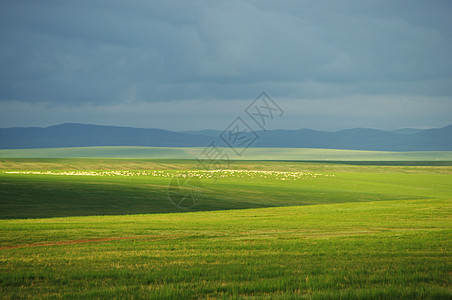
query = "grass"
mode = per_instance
[
  {"x": 389, "y": 249},
  {"x": 250, "y": 154},
  {"x": 44, "y": 195},
  {"x": 328, "y": 230}
]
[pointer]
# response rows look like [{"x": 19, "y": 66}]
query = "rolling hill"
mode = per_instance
[{"x": 85, "y": 135}]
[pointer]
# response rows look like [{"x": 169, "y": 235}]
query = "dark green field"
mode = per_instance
[{"x": 311, "y": 230}]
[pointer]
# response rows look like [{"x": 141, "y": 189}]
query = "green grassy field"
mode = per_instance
[
  {"x": 250, "y": 154},
  {"x": 251, "y": 185},
  {"x": 311, "y": 230}
]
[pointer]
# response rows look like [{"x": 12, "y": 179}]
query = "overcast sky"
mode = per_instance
[{"x": 184, "y": 65}]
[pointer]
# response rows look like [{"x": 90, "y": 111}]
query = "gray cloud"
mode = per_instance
[{"x": 104, "y": 53}]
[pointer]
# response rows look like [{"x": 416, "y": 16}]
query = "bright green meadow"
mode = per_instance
[{"x": 350, "y": 228}]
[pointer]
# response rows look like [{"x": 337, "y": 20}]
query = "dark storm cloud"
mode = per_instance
[{"x": 95, "y": 53}]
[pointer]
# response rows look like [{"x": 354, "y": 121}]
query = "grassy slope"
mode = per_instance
[
  {"x": 49, "y": 196},
  {"x": 397, "y": 248},
  {"x": 249, "y": 154},
  {"x": 389, "y": 249}
]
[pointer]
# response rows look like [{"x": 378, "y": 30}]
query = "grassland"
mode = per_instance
[
  {"x": 297, "y": 154},
  {"x": 251, "y": 185},
  {"x": 389, "y": 249},
  {"x": 311, "y": 230}
]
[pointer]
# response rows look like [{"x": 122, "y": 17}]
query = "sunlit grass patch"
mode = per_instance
[{"x": 389, "y": 249}]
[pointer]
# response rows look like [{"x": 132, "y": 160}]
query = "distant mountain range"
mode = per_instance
[{"x": 84, "y": 135}]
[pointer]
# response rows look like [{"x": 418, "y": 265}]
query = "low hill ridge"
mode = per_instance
[{"x": 86, "y": 135}]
